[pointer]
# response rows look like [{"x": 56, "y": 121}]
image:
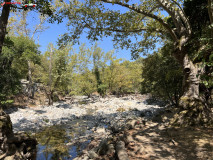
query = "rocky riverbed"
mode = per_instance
[
  {"x": 105, "y": 110},
  {"x": 126, "y": 128},
  {"x": 66, "y": 128}
]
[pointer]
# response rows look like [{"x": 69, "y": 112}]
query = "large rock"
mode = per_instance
[
  {"x": 18, "y": 147},
  {"x": 6, "y": 129}
]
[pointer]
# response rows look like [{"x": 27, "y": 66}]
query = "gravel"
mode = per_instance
[{"x": 105, "y": 110}]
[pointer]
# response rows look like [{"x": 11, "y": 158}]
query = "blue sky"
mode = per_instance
[{"x": 51, "y": 34}]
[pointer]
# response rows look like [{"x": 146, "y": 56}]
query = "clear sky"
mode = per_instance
[{"x": 52, "y": 33}]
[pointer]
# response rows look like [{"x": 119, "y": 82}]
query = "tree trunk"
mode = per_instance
[
  {"x": 50, "y": 98},
  {"x": 191, "y": 78},
  {"x": 193, "y": 109},
  {"x": 3, "y": 23},
  {"x": 31, "y": 87}
]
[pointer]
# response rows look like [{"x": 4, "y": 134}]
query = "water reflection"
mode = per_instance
[{"x": 56, "y": 142}]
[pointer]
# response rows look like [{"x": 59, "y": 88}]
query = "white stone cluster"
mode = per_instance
[{"x": 104, "y": 110}]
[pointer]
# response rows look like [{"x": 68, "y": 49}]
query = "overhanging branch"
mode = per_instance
[
  {"x": 138, "y": 10},
  {"x": 123, "y": 31},
  {"x": 179, "y": 18}
]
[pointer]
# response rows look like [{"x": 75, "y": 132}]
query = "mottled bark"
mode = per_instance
[
  {"x": 191, "y": 78},
  {"x": 193, "y": 109}
]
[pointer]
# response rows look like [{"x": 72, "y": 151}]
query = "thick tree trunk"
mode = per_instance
[
  {"x": 193, "y": 109},
  {"x": 191, "y": 78}
]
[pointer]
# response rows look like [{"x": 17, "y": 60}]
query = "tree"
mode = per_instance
[
  {"x": 16, "y": 51},
  {"x": 18, "y": 25},
  {"x": 43, "y": 7},
  {"x": 7, "y": 75},
  {"x": 53, "y": 71},
  {"x": 164, "y": 82},
  {"x": 82, "y": 81},
  {"x": 99, "y": 64},
  {"x": 117, "y": 77},
  {"x": 135, "y": 70},
  {"x": 144, "y": 20}
]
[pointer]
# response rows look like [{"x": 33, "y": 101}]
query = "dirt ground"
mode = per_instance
[{"x": 155, "y": 141}]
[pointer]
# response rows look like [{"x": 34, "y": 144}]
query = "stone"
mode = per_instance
[
  {"x": 121, "y": 151},
  {"x": 103, "y": 147},
  {"x": 111, "y": 149},
  {"x": 92, "y": 154},
  {"x": 85, "y": 157},
  {"x": 100, "y": 130},
  {"x": 103, "y": 111},
  {"x": 129, "y": 139},
  {"x": 9, "y": 158},
  {"x": 140, "y": 150},
  {"x": 132, "y": 154},
  {"x": 131, "y": 124}
]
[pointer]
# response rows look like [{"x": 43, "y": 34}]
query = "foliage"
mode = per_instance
[
  {"x": 15, "y": 53},
  {"x": 99, "y": 64},
  {"x": 101, "y": 21},
  {"x": 83, "y": 84},
  {"x": 53, "y": 72},
  {"x": 201, "y": 43},
  {"x": 25, "y": 50},
  {"x": 162, "y": 76}
]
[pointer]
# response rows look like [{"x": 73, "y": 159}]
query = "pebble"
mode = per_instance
[{"x": 103, "y": 110}]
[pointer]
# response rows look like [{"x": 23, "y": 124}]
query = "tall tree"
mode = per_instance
[
  {"x": 100, "y": 59},
  {"x": 43, "y": 6},
  {"x": 145, "y": 21},
  {"x": 54, "y": 71}
]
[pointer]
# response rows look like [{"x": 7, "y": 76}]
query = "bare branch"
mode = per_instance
[{"x": 39, "y": 26}]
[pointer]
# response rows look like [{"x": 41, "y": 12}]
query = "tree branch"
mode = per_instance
[
  {"x": 120, "y": 30},
  {"x": 177, "y": 15},
  {"x": 170, "y": 10},
  {"x": 138, "y": 10}
]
